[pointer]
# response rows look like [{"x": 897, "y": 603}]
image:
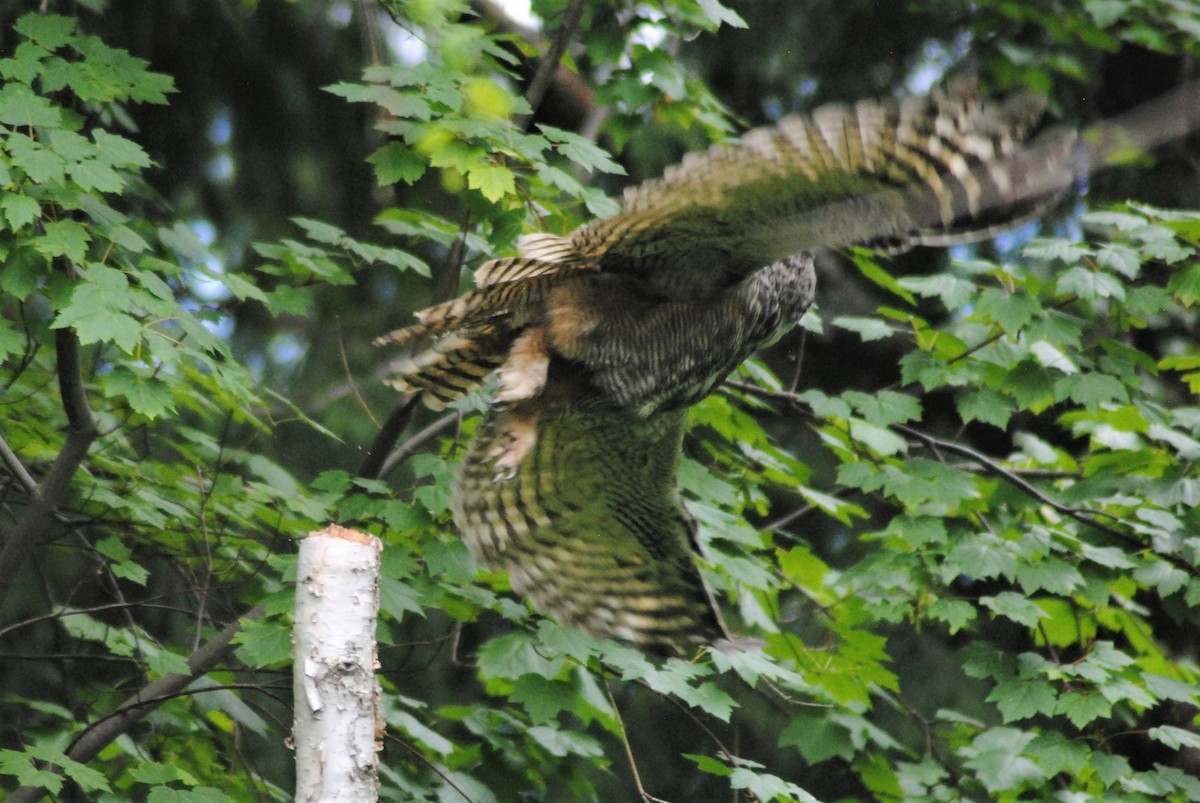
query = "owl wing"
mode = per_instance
[
  {"x": 934, "y": 169},
  {"x": 591, "y": 527}
]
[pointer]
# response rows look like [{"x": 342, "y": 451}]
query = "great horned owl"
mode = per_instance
[{"x": 602, "y": 339}]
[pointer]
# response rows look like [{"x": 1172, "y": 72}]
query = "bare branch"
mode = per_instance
[
  {"x": 17, "y": 467},
  {"x": 372, "y": 464},
  {"x": 549, "y": 63},
  {"x": 1087, "y": 517},
  {"x": 409, "y": 447},
  {"x": 121, "y": 719},
  {"x": 52, "y": 492}
]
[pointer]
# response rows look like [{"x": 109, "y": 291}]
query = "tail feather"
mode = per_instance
[
  {"x": 459, "y": 343},
  {"x": 449, "y": 368},
  {"x": 540, "y": 255},
  {"x": 515, "y": 269}
]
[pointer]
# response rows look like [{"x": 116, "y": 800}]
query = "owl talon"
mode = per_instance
[{"x": 512, "y": 444}]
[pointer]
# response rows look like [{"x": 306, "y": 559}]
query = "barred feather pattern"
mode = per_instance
[
  {"x": 602, "y": 338},
  {"x": 590, "y": 525}
]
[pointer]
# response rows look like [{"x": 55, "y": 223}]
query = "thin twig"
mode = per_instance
[
  {"x": 362, "y": 403},
  {"x": 1086, "y": 517},
  {"x": 17, "y": 467},
  {"x": 410, "y": 446},
  {"x": 637, "y": 778},
  {"x": 424, "y": 759},
  {"x": 1083, "y": 517},
  {"x": 99, "y": 734}
]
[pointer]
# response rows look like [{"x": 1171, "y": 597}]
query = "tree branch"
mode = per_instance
[
  {"x": 52, "y": 492},
  {"x": 406, "y": 449},
  {"x": 1086, "y": 517},
  {"x": 116, "y": 723},
  {"x": 549, "y": 63},
  {"x": 373, "y": 463}
]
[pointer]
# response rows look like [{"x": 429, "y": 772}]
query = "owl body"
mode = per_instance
[
  {"x": 585, "y": 516},
  {"x": 602, "y": 339}
]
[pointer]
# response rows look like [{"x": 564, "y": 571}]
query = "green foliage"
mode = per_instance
[{"x": 972, "y": 567}]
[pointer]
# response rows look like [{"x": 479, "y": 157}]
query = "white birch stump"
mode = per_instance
[{"x": 337, "y": 727}]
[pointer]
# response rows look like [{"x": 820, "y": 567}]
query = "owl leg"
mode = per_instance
[
  {"x": 523, "y": 374},
  {"x": 517, "y": 435}
]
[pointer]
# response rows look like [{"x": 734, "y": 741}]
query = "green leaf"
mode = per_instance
[
  {"x": 1089, "y": 284},
  {"x": 581, "y": 150},
  {"x": 956, "y": 613},
  {"x": 1014, "y": 606},
  {"x": 200, "y": 794},
  {"x": 152, "y": 772},
  {"x": 765, "y": 786},
  {"x": 264, "y": 643},
  {"x": 96, "y": 310},
  {"x": 1185, "y": 284},
  {"x": 1012, "y": 312},
  {"x": 953, "y": 291},
  {"x": 982, "y": 557},
  {"x": 719, "y": 14},
  {"x": 147, "y": 395},
  {"x": 998, "y": 759},
  {"x": 40, "y": 164},
  {"x": 868, "y": 329},
  {"x": 19, "y": 106},
  {"x": 64, "y": 238},
  {"x": 1083, "y": 707},
  {"x": 22, "y": 766},
  {"x": 1110, "y": 556},
  {"x": 13, "y": 762},
  {"x": 544, "y": 698},
  {"x": 710, "y": 765},
  {"x": 165, "y": 662},
  {"x": 885, "y": 407},
  {"x": 494, "y": 181},
  {"x": 562, "y": 743},
  {"x": 1022, "y": 699},
  {"x": 864, "y": 260},
  {"x": 92, "y": 174},
  {"x": 51, "y": 31},
  {"x": 513, "y": 655},
  {"x": 1091, "y": 390},
  {"x": 708, "y": 697},
  {"x": 1055, "y": 249},
  {"x": 118, "y": 151},
  {"x": 1175, "y": 737},
  {"x": 1049, "y": 574},
  {"x": 985, "y": 405},
  {"x": 397, "y": 162},
  {"x": 1120, "y": 258},
  {"x": 881, "y": 440},
  {"x": 121, "y": 560},
  {"x": 1166, "y": 688},
  {"x": 19, "y": 210},
  {"x": 26, "y": 64}
]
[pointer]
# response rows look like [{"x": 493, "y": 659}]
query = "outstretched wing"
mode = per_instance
[
  {"x": 893, "y": 173},
  {"x": 937, "y": 169},
  {"x": 591, "y": 528}
]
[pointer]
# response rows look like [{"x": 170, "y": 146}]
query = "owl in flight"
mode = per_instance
[{"x": 601, "y": 340}]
